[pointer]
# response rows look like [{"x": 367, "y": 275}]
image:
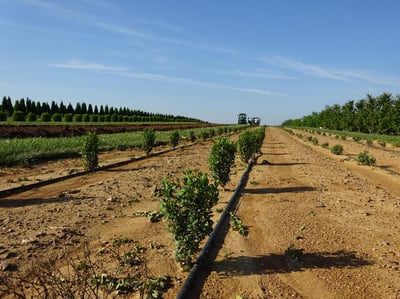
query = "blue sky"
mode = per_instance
[{"x": 209, "y": 59}]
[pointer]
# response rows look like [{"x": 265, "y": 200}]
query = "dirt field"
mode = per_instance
[{"x": 319, "y": 225}]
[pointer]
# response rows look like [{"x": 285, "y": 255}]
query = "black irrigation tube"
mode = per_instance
[
  {"x": 24, "y": 188},
  {"x": 194, "y": 272}
]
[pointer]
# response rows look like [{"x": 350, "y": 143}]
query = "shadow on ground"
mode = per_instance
[
  {"x": 282, "y": 263},
  {"x": 276, "y": 190}
]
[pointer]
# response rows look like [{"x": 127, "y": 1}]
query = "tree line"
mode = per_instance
[
  {"x": 29, "y": 110},
  {"x": 374, "y": 115}
]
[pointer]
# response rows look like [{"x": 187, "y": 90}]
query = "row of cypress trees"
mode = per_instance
[{"x": 29, "y": 110}]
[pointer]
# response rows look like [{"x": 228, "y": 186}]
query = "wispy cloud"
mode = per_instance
[
  {"x": 77, "y": 65},
  {"x": 148, "y": 36},
  {"x": 126, "y": 72},
  {"x": 59, "y": 10},
  {"x": 263, "y": 74},
  {"x": 307, "y": 69},
  {"x": 329, "y": 73}
]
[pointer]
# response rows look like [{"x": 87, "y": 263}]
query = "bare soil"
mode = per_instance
[{"x": 319, "y": 225}]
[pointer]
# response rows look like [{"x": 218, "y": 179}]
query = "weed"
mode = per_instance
[{"x": 121, "y": 240}]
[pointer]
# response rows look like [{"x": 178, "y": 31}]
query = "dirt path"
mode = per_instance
[{"x": 343, "y": 228}]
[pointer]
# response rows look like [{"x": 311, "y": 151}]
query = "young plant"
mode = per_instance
[
  {"x": 293, "y": 253},
  {"x": 246, "y": 146},
  {"x": 192, "y": 136},
  {"x": 149, "y": 138},
  {"x": 90, "y": 151},
  {"x": 365, "y": 158},
  {"x": 174, "y": 138},
  {"x": 237, "y": 224},
  {"x": 337, "y": 149},
  {"x": 221, "y": 159},
  {"x": 186, "y": 206}
]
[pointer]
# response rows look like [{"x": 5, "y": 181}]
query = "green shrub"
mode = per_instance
[
  {"x": 382, "y": 143},
  {"x": 174, "y": 138},
  {"x": 45, "y": 117},
  {"x": 192, "y": 136},
  {"x": 212, "y": 132},
  {"x": 31, "y": 117},
  {"x": 356, "y": 138},
  {"x": 77, "y": 118},
  {"x": 314, "y": 140},
  {"x": 114, "y": 118},
  {"x": 221, "y": 159},
  {"x": 149, "y": 139},
  {"x": 337, "y": 149},
  {"x": 68, "y": 117},
  {"x": 325, "y": 144},
  {"x": 309, "y": 138},
  {"x": 18, "y": 116},
  {"x": 3, "y": 116},
  {"x": 57, "y": 117},
  {"x": 365, "y": 158},
  {"x": 102, "y": 118},
  {"x": 94, "y": 118},
  {"x": 259, "y": 136},
  {"x": 186, "y": 205},
  {"x": 247, "y": 146},
  {"x": 90, "y": 151},
  {"x": 204, "y": 134},
  {"x": 85, "y": 118}
]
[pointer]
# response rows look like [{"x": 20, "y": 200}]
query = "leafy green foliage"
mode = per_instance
[
  {"x": 192, "y": 136},
  {"x": 186, "y": 205},
  {"x": 57, "y": 117},
  {"x": 337, "y": 149},
  {"x": 249, "y": 143},
  {"x": 174, "y": 138},
  {"x": 31, "y": 117},
  {"x": 246, "y": 146},
  {"x": 325, "y": 144},
  {"x": 90, "y": 151},
  {"x": 149, "y": 138},
  {"x": 18, "y": 116},
  {"x": 237, "y": 224},
  {"x": 365, "y": 158},
  {"x": 3, "y": 116},
  {"x": 221, "y": 159}
]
